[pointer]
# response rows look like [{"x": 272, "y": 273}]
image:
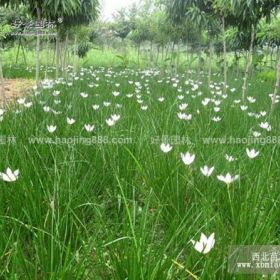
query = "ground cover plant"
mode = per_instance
[
  {"x": 99, "y": 193},
  {"x": 141, "y": 147}
]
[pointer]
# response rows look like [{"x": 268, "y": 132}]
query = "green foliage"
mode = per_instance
[
  {"x": 124, "y": 61},
  {"x": 5, "y": 30},
  {"x": 268, "y": 76},
  {"x": 83, "y": 49},
  {"x": 122, "y": 25},
  {"x": 140, "y": 33},
  {"x": 258, "y": 58},
  {"x": 250, "y": 12},
  {"x": 86, "y": 12},
  {"x": 269, "y": 32},
  {"x": 237, "y": 40},
  {"x": 101, "y": 210}
]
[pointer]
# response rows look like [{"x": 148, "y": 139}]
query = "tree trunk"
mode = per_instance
[
  {"x": 187, "y": 62},
  {"x": 138, "y": 55},
  {"x": 271, "y": 58},
  {"x": 57, "y": 56},
  {"x": 157, "y": 56},
  {"x": 167, "y": 50},
  {"x": 65, "y": 55},
  {"x": 210, "y": 62},
  {"x": 3, "y": 95},
  {"x": 151, "y": 53},
  {"x": 75, "y": 68},
  {"x": 178, "y": 57},
  {"x": 192, "y": 59},
  {"x": 19, "y": 44},
  {"x": 23, "y": 53},
  {"x": 248, "y": 63},
  {"x": 47, "y": 57},
  {"x": 172, "y": 53},
  {"x": 199, "y": 61},
  {"x": 225, "y": 55},
  {"x": 236, "y": 64},
  {"x": 38, "y": 47},
  {"x": 277, "y": 84}
]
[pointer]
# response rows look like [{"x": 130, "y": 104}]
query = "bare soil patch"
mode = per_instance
[{"x": 15, "y": 88}]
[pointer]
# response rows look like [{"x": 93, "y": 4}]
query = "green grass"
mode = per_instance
[
  {"x": 125, "y": 56},
  {"x": 129, "y": 211}
]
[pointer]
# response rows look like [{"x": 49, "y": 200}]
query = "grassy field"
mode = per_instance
[
  {"x": 106, "y": 202},
  {"x": 110, "y": 57}
]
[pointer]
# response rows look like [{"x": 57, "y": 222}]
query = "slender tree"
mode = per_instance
[{"x": 247, "y": 15}]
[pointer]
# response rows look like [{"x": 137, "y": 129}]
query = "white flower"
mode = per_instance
[
  {"x": 204, "y": 245},
  {"x": 195, "y": 87},
  {"x": 27, "y": 105},
  {"x": 51, "y": 128},
  {"x": 106, "y": 104},
  {"x": 56, "y": 112},
  {"x": 115, "y": 117},
  {"x": 216, "y": 119},
  {"x": 9, "y": 176},
  {"x": 21, "y": 101},
  {"x": 161, "y": 99},
  {"x": 205, "y": 101},
  {"x": 183, "y": 106},
  {"x": 229, "y": 158},
  {"x": 166, "y": 148},
  {"x": 256, "y": 134},
  {"x": 207, "y": 171},
  {"x": 95, "y": 107},
  {"x": 265, "y": 126},
  {"x": 144, "y": 108},
  {"x": 84, "y": 95},
  {"x": 183, "y": 116},
  {"x": 116, "y": 93},
  {"x": 251, "y": 99},
  {"x": 110, "y": 122},
  {"x": 187, "y": 158},
  {"x": 56, "y": 93},
  {"x": 89, "y": 128},
  {"x": 70, "y": 121},
  {"x": 46, "y": 108},
  {"x": 252, "y": 153},
  {"x": 228, "y": 179},
  {"x": 243, "y": 107}
]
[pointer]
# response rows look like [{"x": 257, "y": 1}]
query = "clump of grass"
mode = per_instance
[{"x": 124, "y": 209}]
